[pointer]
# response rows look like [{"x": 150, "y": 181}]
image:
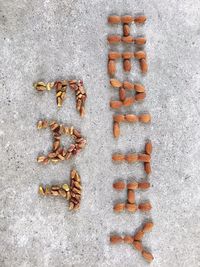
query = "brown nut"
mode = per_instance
[
  {"x": 116, "y": 129},
  {"x": 140, "y": 19},
  {"x": 140, "y": 55},
  {"x": 116, "y": 239},
  {"x": 114, "y": 19},
  {"x": 137, "y": 245},
  {"x": 148, "y": 227},
  {"x": 122, "y": 94},
  {"x": 148, "y": 147},
  {"x": 127, "y": 65},
  {"x": 139, "y": 88},
  {"x": 140, "y": 96},
  {"x": 131, "y": 158},
  {"x": 115, "y": 83},
  {"x": 131, "y": 207},
  {"x": 140, "y": 40},
  {"x": 127, "y": 19},
  {"x": 143, "y": 185},
  {"x": 146, "y": 206},
  {"x": 118, "y": 157},
  {"x": 112, "y": 39},
  {"x": 145, "y": 118},
  {"x": 128, "y": 239},
  {"x": 139, "y": 235},
  {"x": 128, "y": 85},
  {"x": 143, "y": 65},
  {"x": 131, "y": 118},
  {"x": 127, "y": 55},
  {"x": 119, "y": 185},
  {"x": 147, "y": 167},
  {"x": 131, "y": 196},
  {"x": 115, "y": 104},
  {"x": 114, "y": 55},
  {"x": 126, "y": 29},
  {"x": 127, "y": 39},
  {"x": 147, "y": 256},
  {"x": 119, "y": 207},
  {"x": 129, "y": 101},
  {"x": 144, "y": 157},
  {"x": 111, "y": 67},
  {"x": 119, "y": 118},
  {"x": 132, "y": 185}
]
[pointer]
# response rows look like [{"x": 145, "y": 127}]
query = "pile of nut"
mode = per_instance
[
  {"x": 117, "y": 119},
  {"x": 61, "y": 88},
  {"x": 125, "y": 87},
  {"x": 137, "y": 157},
  {"x": 113, "y": 56},
  {"x": 125, "y": 100},
  {"x": 59, "y": 153},
  {"x": 135, "y": 240},
  {"x": 71, "y": 193}
]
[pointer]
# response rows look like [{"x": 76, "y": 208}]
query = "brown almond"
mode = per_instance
[
  {"x": 127, "y": 39},
  {"x": 62, "y": 192},
  {"x": 115, "y": 83},
  {"x": 131, "y": 196},
  {"x": 145, "y": 118},
  {"x": 140, "y": 55},
  {"x": 144, "y": 157},
  {"x": 131, "y": 118},
  {"x": 139, "y": 235},
  {"x": 119, "y": 185},
  {"x": 126, "y": 29},
  {"x": 140, "y": 96},
  {"x": 119, "y": 207},
  {"x": 127, "y": 65},
  {"x": 114, "y": 19},
  {"x": 137, "y": 245},
  {"x": 146, "y": 206},
  {"x": 127, "y": 55},
  {"x": 140, "y": 40},
  {"x": 148, "y": 147},
  {"x": 147, "y": 167},
  {"x": 116, "y": 239},
  {"x": 115, "y": 104},
  {"x": 139, "y": 88},
  {"x": 119, "y": 118},
  {"x": 143, "y": 185},
  {"x": 147, "y": 256},
  {"x": 111, "y": 67},
  {"x": 128, "y": 239},
  {"x": 129, "y": 101},
  {"x": 140, "y": 19},
  {"x": 131, "y": 158},
  {"x": 114, "y": 39},
  {"x": 122, "y": 94},
  {"x": 114, "y": 55},
  {"x": 126, "y": 19},
  {"x": 148, "y": 226},
  {"x": 143, "y": 65},
  {"x": 118, "y": 157},
  {"x": 128, "y": 85},
  {"x": 116, "y": 129},
  {"x": 131, "y": 207},
  {"x": 132, "y": 185}
]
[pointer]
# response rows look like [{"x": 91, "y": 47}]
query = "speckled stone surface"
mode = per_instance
[{"x": 67, "y": 39}]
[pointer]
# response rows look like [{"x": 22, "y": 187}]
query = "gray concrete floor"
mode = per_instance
[{"x": 65, "y": 39}]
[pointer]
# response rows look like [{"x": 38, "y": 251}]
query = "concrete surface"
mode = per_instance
[{"x": 64, "y": 39}]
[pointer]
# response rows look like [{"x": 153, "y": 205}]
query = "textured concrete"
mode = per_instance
[{"x": 64, "y": 39}]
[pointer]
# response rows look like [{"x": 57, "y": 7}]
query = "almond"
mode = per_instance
[
  {"x": 116, "y": 239},
  {"x": 116, "y": 129},
  {"x": 143, "y": 65},
  {"x": 114, "y": 39},
  {"x": 122, "y": 94},
  {"x": 139, "y": 88},
  {"x": 127, "y": 65},
  {"x": 119, "y": 185},
  {"x": 127, "y": 39},
  {"x": 144, "y": 157},
  {"x": 140, "y": 96},
  {"x": 131, "y": 118},
  {"x": 143, "y": 185},
  {"x": 127, "y": 55},
  {"x": 130, "y": 158},
  {"x": 139, "y": 235},
  {"x": 140, "y": 19},
  {"x": 128, "y": 85},
  {"x": 137, "y": 245},
  {"x": 119, "y": 207},
  {"x": 129, "y": 101},
  {"x": 131, "y": 196},
  {"x": 145, "y": 118},
  {"x": 118, "y": 157},
  {"x": 115, "y": 104},
  {"x": 140, "y": 40},
  {"x": 146, "y": 206},
  {"x": 148, "y": 147},
  {"x": 128, "y": 239},
  {"x": 126, "y": 30},
  {"x": 111, "y": 67},
  {"x": 126, "y": 19},
  {"x": 131, "y": 207},
  {"x": 119, "y": 118},
  {"x": 140, "y": 55},
  {"x": 115, "y": 83},
  {"x": 114, "y": 19},
  {"x": 148, "y": 227},
  {"x": 147, "y": 167},
  {"x": 114, "y": 55},
  {"x": 147, "y": 256},
  {"x": 132, "y": 185}
]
